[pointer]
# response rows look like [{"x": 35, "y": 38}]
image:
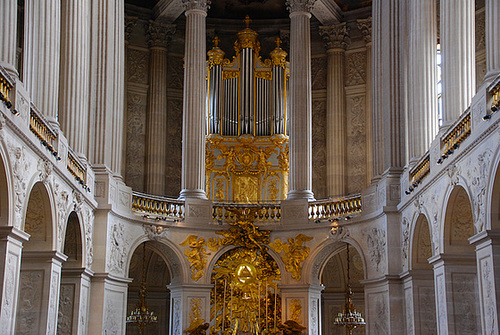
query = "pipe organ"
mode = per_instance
[{"x": 247, "y": 142}]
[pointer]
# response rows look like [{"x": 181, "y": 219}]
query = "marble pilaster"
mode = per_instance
[
  {"x": 74, "y": 301},
  {"x": 420, "y": 308},
  {"x": 336, "y": 40},
  {"x": 8, "y": 31},
  {"x": 193, "y": 125},
  {"x": 492, "y": 31},
  {"x": 365, "y": 26},
  {"x": 305, "y": 299},
  {"x": 423, "y": 118},
  {"x": 458, "y": 57},
  {"x": 39, "y": 285},
  {"x": 186, "y": 301},
  {"x": 11, "y": 244},
  {"x": 42, "y": 55},
  {"x": 74, "y": 73},
  {"x": 300, "y": 178},
  {"x": 158, "y": 35},
  {"x": 107, "y": 91},
  {"x": 455, "y": 281}
]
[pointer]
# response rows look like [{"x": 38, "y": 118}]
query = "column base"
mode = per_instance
[
  {"x": 301, "y": 194},
  {"x": 192, "y": 194}
]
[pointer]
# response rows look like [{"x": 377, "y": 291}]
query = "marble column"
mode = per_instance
[
  {"x": 74, "y": 73},
  {"x": 336, "y": 40},
  {"x": 158, "y": 35},
  {"x": 388, "y": 83},
  {"x": 39, "y": 285},
  {"x": 300, "y": 119},
  {"x": 74, "y": 301},
  {"x": 455, "y": 280},
  {"x": 487, "y": 244},
  {"x": 194, "y": 102},
  {"x": 365, "y": 26},
  {"x": 8, "y": 31},
  {"x": 11, "y": 244},
  {"x": 107, "y": 91},
  {"x": 423, "y": 117},
  {"x": 492, "y": 31},
  {"x": 42, "y": 55},
  {"x": 457, "y": 35}
]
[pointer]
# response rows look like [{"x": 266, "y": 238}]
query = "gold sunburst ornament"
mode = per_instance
[
  {"x": 141, "y": 316},
  {"x": 349, "y": 317}
]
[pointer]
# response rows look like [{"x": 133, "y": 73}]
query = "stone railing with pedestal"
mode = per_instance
[
  {"x": 160, "y": 207},
  {"x": 223, "y": 212},
  {"x": 334, "y": 208}
]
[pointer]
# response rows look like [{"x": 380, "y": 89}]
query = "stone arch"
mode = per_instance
[
  {"x": 158, "y": 277},
  {"x": 458, "y": 224},
  {"x": 5, "y": 192},
  {"x": 73, "y": 242},
  {"x": 39, "y": 220},
  {"x": 493, "y": 206},
  {"x": 178, "y": 269},
  {"x": 420, "y": 244}
]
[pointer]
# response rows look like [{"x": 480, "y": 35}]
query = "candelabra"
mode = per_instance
[
  {"x": 349, "y": 317},
  {"x": 141, "y": 316}
]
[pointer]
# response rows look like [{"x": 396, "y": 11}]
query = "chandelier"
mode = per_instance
[
  {"x": 141, "y": 316},
  {"x": 349, "y": 317}
]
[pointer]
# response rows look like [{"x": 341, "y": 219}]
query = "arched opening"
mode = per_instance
[
  {"x": 334, "y": 278},
  {"x": 40, "y": 268},
  {"x": 455, "y": 271},
  {"x": 419, "y": 286},
  {"x": 495, "y": 202},
  {"x": 152, "y": 267},
  {"x": 75, "y": 282},
  {"x": 4, "y": 196}
]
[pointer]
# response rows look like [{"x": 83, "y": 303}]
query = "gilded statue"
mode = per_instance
[
  {"x": 295, "y": 253},
  {"x": 196, "y": 255}
]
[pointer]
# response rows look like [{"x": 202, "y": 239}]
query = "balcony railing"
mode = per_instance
[
  {"x": 419, "y": 171},
  {"x": 457, "y": 133},
  {"x": 5, "y": 88},
  {"x": 223, "y": 212},
  {"x": 161, "y": 207},
  {"x": 76, "y": 168},
  {"x": 43, "y": 131},
  {"x": 334, "y": 208}
]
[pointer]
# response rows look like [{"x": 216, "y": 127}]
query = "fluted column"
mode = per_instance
[
  {"x": 388, "y": 84},
  {"x": 458, "y": 57},
  {"x": 492, "y": 30},
  {"x": 423, "y": 118},
  {"x": 336, "y": 40},
  {"x": 8, "y": 31},
  {"x": 194, "y": 106},
  {"x": 42, "y": 50},
  {"x": 107, "y": 91},
  {"x": 300, "y": 100},
  {"x": 365, "y": 26},
  {"x": 74, "y": 73},
  {"x": 158, "y": 35}
]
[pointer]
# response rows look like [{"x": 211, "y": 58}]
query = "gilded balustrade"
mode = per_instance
[
  {"x": 43, "y": 131},
  {"x": 224, "y": 212},
  {"x": 333, "y": 208},
  {"x": 162, "y": 206},
  {"x": 494, "y": 91},
  {"x": 76, "y": 168},
  {"x": 5, "y": 88},
  {"x": 457, "y": 133},
  {"x": 419, "y": 171}
]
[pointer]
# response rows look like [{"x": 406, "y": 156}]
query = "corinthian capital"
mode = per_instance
[
  {"x": 300, "y": 5},
  {"x": 203, "y": 5},
  {"x": 335, "y": 36},
  {"x": 159, "y": 33},
  {"x": 365, "y": 26},
  {"x": 130, "y": 23}
]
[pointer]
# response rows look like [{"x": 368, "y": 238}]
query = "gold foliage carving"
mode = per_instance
[
  {"x": 295, "y": 309},
  {"x": 294, "y": 253},
  {"x": 230, "y": 74},
  {"x": 197, "y": 324},
  {"x": 268, "y": 75},
  {"x": 196, "y": 255}
]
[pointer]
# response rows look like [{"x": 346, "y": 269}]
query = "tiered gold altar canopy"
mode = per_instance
[{"x": 247, "y": 142}]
